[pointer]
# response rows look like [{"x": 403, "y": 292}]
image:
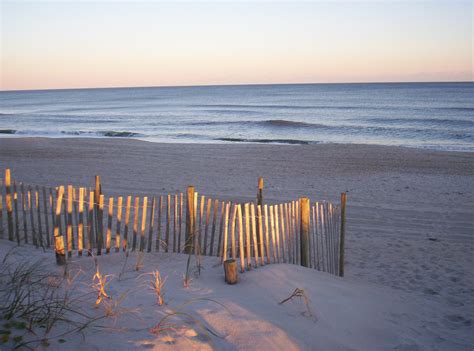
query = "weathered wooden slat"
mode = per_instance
[
  {"x": 297, "y": 237},
  {"x": 118, "y": 223},
  {"x": 151, "y": 225},
  {"x": 180, "y": 231},
  {"x": 100, "y": 226},
  {"x": 196, "y": 229},
  {"x": 320, "y": 237},
  {"x": 200, "y": 232},
  {"x": 335, "y": 240},
  {"x": 206, "y": 227},
  {"x": 277, "y": 232},
  {"x": 221, "y": 229},
  {"x": 247, "y": 236},
  {"x": 342, "y": 234},
  {"x": 90, "y": 225},
  {"x": 324, "y": 236},
  {"x": 226, "y": 229},
  {"x": 241, "y": 239},
  {"x": 64, "y": 229},
  {"x": 331, "y": 237},
  {"x": 158, "y": 232},
  {"x": 290, "y": 231},
  {"x": 9, "y": 204},
  {"x": 283, "y": 235},
  {"x": 127, "y": 223},
  {"x": 233, "y": 243},
  {"x": 260, "y": 203},
  {"x": 168, "y": 218},
  {"x": 310, "y": 240},
  {"x": 254, "y": 234},
  {"x": 32, "y": 220},
  {"x": 75, "y": 218},
  {"x": 328, "y": 231},
  {"x": 213, "y": 230},
  {"x": 175, "y": 222},
  {"x": 135, "y": 222},
  {"x": 189, "y": 235},
  {"x": 260, "y": 235},
  {"x": 46, "y": 217},
  {"x": 53, "y": 209},
  {"x": 315, "y": 243},
  {"x": 272, "y": 223},
  {"x": 304, "y": 231},
  {"x": 80, "y": 227},
  {"x": 69, "y": 220},
  {"x": 315, "y": 238},
  {"x": 294, "y": 232},
  {"x": 38, "y": 211},
  {"x": 267, "y": 234},
  {"x": 23, "y": 209},
  {"x": 143, "y": 227},
  {"x": 58, "y": 238},
  {"x": 110, "y": 216},
  {"x": 16, "y": 213}
]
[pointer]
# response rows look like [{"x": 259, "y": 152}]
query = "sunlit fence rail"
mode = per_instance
[{"x": 84, "y": 221}]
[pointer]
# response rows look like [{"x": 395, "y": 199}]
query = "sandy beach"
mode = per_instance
[{"x": 410, "y": 224}]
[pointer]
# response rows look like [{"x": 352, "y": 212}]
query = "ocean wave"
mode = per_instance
[
  {"x": 456, "y": 108},
  {"x": 289, "y": 124},
  {"x": 264, "y": 123},
  {"x": 405, "y": 121},
  {"x": 123, "y": 134},
  {"x": 49, "y": 133},
  {"x": 7, "y": 131},
  {"x": 282, "y": 107},
  {"x": 268, "y": 141},
  {"x": 243, "y": 140}
]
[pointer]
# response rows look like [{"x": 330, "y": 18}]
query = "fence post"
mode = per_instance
[
  {"x": 304, "y": 230},
  {"x": 190, "y": 220},
  {"x": 98, "y": 216},
  {"x": 97, "y": 190},
  {"x": 69, "y": 220},
  {"x": 8, "y": 200},
  {"x": 342, "y": 234},
  {"x": 260, "y": 203},
  {"x": 58, "y": 238}
]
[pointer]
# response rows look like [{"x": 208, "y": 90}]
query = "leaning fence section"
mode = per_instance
[{"x": 84, "y": 221}]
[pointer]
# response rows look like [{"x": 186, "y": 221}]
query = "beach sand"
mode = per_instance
[{"x": 410, "y": 222}]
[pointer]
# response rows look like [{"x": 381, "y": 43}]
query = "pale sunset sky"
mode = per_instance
[{"x": 75, "y": 44}]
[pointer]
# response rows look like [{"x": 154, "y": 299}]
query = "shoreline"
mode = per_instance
[{"x": 11, "y": 134}]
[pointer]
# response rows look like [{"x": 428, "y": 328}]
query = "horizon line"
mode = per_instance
[{"x": 229, "y": 85}]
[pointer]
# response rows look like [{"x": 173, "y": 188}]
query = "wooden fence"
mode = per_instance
[{"x": 77, "y": 221}]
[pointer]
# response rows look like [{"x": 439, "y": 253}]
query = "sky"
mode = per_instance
[{"x": 78, "y": 44}]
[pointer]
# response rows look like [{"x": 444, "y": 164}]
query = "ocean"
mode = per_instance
[{"x": 436, "y": 116}]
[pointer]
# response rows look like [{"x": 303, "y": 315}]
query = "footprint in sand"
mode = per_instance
[
  {"x": 458, "y": 320},
  {"x": 429, "y": 291}
]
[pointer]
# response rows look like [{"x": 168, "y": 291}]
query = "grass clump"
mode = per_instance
[
  {"x": 300, "y": 293},
  {"x": 34, "y": 301}
]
